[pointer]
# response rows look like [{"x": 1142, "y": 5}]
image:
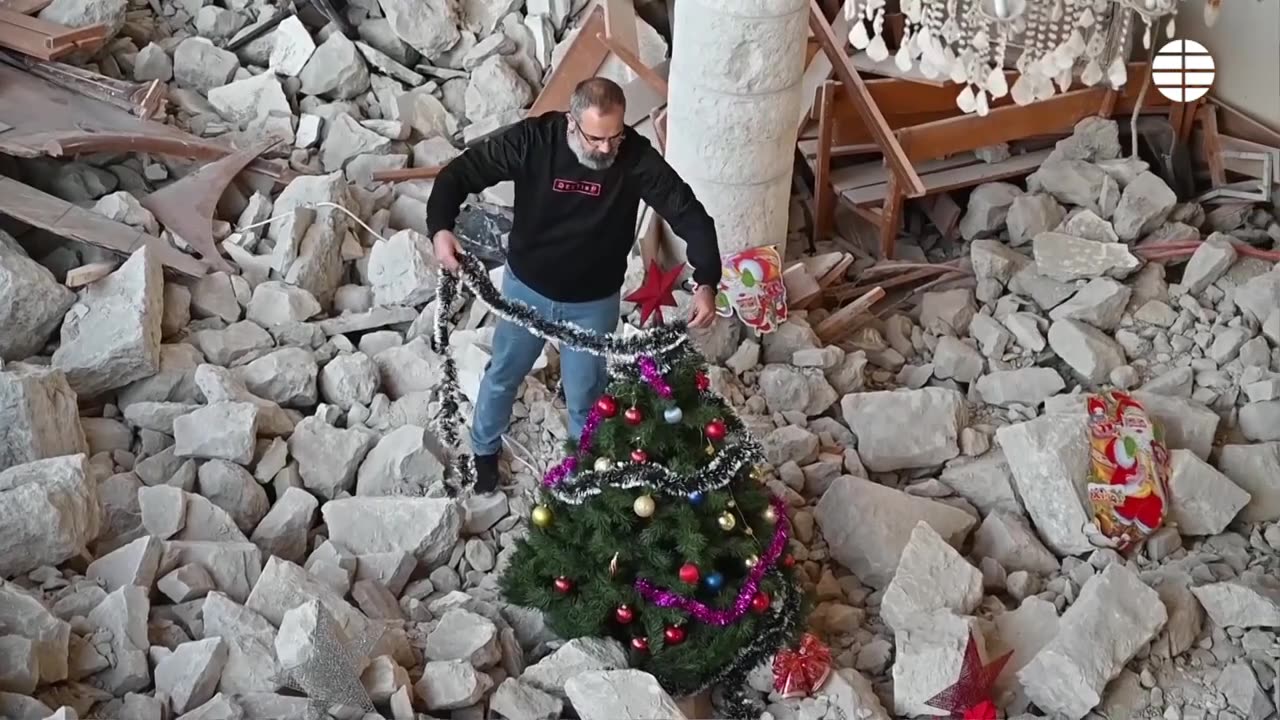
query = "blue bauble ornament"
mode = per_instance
[
  {"x": 714, "y": 581},
  {"x": 673, "y": 415},
  {"x": 695, "y": 498}
]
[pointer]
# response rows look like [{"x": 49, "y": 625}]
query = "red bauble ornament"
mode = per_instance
[
  {"x": 703, "y": 382},
  {"x": 689, "y": 574},
  {"x": 716, "y": 430},
  {"x": 656, "y": 291},
  {"x": 640, "y": 644},
  {"x": 673, "y": 635},
  {"x": 761, "y": 602},
  {"x": 624, "y": 614},
  {"x": 639, "y": 456},
  {"x": 789, "y": 561},
  {"x": 633, "y": 416},
  {"x": 607, "y": 405},
  {"x": 563, "y": 585}
]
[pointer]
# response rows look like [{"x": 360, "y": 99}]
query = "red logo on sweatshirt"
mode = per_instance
[{"x": 581, "y": 187}]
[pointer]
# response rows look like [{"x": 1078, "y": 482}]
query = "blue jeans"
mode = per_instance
[{"x": 515, "y": 350}]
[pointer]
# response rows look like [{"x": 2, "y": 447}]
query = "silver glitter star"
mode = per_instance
[{"x": 330, "y": 676}]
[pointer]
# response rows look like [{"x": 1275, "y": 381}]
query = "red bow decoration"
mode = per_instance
[
  {"x": 968, "y": 697},
  {"x": 802, "y": 671},
  {"x": 655, "y": 292}
]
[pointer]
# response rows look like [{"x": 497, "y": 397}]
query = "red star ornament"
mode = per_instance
[
  {"x": 969, "y": 696},
  {"x": 655, "y": 292}
]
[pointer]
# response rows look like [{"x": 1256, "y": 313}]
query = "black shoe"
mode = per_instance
[{"x": 486, "y": 474}]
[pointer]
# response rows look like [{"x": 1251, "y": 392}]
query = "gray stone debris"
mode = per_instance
[
  {"x": 931, "y": 575},
  {"x": 906, "y": 428},
  {"x": 194, "y": 472},
  {"x": 620, "y": 695},
  {"x": 1115, "y": 615},
  {"x": 1049, "y": 457},
  {"x": 111, "y": 336}
]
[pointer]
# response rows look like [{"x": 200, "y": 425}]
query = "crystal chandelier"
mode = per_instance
[{"x": 967, "y": 41}]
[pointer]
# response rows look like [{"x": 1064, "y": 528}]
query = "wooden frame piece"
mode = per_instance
[
  {"x": 1211, "y": 144},
  {"x": 824, "y": 200},
  {"x": 863, "y": 101},
  {"x": 642, "y": 71},
  {"x": 60, "y": 217},
  {"x": 582, "y": 60}
]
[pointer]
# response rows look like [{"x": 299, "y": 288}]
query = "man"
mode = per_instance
[{"x": 579, "y": 179}]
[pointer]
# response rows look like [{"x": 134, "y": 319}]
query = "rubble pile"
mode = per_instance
[{"x": 208, "y": 485}]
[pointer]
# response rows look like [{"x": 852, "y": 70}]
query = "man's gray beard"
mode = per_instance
[{"x": 588, "y": 157}]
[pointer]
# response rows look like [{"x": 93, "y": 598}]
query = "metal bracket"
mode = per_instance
[{"x": 1263, "y": 193}]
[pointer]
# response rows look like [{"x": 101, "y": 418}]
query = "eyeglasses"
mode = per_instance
[{"x": 592, "y": 139}]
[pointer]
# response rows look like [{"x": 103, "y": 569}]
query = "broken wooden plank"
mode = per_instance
[
  {"x": 50, "y": 120},
  {"x": 60, "y": 217},
  {"x": 956, "y": 178},
  {"x": 843, "y": 321},
  {"x": 581, "y": 61},
  {"x": 85, "y": 274},
  {"x": 867, "y": 108}
]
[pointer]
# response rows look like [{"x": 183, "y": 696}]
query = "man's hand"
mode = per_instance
[
  {"x": 447, "y": 249},
  {"x": 704, "y": 307}
]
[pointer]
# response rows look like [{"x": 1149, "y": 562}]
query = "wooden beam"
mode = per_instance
[
  {"x": 891, "y": 217},
  {"x": 60, "y": 217},
  {"x": 1057, "y": 114},
  {"x": 818, "y": 68},
  {"x": 581, "y": 61},
  {"x": 631, "y": 60},
  {"x": 824, "y": 205},
  {"x": 847, "y": 318},
  {"x": 620, "y": 25},
  {"x": 1212, "y": 144},
  {"x": 871, "y": 115}
]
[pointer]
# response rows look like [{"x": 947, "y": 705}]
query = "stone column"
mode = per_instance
[{"x": 734, "y": 96}]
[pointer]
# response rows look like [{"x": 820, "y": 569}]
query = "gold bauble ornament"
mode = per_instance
[
  {"x": 603, "y": 464},
  {"x": 644, "y": 506},
  {"x": 757, "y": 473},
  {"x": 727, "y": 522},
  {"x": 750, "y": 561},
  {"x": 770, "y": 515},
  {"x": 542, "y": 516}
]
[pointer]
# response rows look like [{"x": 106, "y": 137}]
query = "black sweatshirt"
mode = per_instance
[{"x": 574, "y": 226}]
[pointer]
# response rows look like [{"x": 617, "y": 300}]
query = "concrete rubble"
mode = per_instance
[{"x": 197, "y": 476}]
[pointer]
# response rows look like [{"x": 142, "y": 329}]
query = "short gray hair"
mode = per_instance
[{"x": 597, "y": 92}]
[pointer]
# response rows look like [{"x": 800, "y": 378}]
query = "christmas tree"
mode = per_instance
[{"x": 656, "y": 530}]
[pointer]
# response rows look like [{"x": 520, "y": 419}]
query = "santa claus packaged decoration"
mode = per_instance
[
  {"x": 1129, "y": 469},
  {"x": 802, "y": 671}
]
